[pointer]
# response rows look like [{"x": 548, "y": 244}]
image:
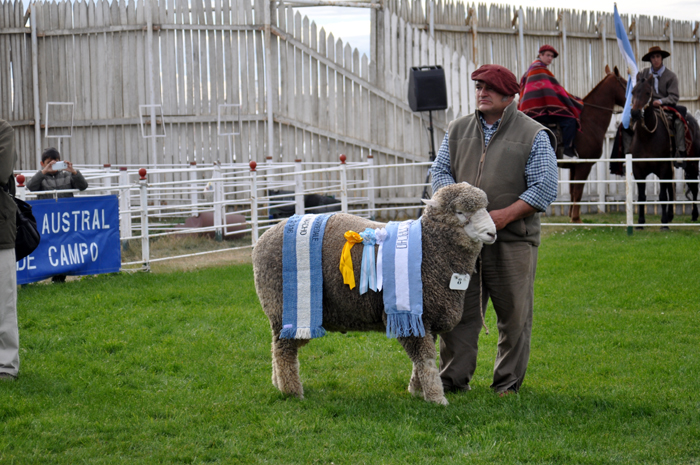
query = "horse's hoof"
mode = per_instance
[
  {"x": 576, "y": 221},
  {"x": 665, "y": 228},
  {"x": 639, "y": 228}
]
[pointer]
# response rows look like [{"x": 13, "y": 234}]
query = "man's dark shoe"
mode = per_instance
[{"x": 447, "y": 389}]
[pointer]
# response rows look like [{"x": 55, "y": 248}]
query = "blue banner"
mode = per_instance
[{"x": 79, "y": 236}]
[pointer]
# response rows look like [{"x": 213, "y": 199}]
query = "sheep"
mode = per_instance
[{"x": 455, "y": 224}]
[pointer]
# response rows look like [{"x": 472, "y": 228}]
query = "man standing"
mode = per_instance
[
  {"x": 665, "y": 91},
  {"x": 545, "y": 100},
  {"x": 9, "y": 332},
  {"x": 511, "y": 157}
]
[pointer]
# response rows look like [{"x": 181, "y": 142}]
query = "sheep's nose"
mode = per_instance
[{"x": 492, "y": 235}]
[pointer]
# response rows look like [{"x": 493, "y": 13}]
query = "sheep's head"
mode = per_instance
[{"x": 463, "y": 205}]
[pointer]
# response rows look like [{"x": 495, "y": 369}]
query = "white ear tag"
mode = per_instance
[{"x": 459, "y": 282}]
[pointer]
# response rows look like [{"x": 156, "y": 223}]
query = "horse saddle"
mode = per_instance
[
  {"x": 559, "y": 135},
  {"x": 678, "y": 111}
]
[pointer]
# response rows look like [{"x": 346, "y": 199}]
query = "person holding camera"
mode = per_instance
[{"x": 56, "y": 175}]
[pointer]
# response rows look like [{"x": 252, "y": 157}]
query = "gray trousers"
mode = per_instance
[
  {"x": 9, "y": 333},
  {"x": 507, "y": 276}
]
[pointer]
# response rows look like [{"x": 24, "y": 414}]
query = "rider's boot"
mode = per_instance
[
  {"x": 679, "y": 128},
  {"x": 570, "y": 153}
]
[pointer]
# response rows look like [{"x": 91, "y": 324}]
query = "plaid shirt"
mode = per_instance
[{"x": 541, "y": 172}]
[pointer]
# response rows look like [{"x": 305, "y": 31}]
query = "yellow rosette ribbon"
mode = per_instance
[{"x": 352, "y": 238}]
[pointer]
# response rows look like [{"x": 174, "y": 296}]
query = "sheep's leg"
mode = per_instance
[
  {"x": 414, "y": 386},
  {"x": 421, "y": 351},
  {"x": 285, "y": 365}
]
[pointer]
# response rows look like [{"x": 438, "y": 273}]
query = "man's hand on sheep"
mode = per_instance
[{"x": 516, "y": 211}]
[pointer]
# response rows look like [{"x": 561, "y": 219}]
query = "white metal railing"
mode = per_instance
[{"x": 149, "y": 201}]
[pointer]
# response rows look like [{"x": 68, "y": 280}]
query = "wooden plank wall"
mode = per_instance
[
  {"x": 326, "y": 98},
  {"x": 16, "y": 96},
  {"x": 590, "y": 45}
]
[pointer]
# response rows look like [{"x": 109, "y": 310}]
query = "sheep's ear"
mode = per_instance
[{"x": 431, "y": 202}]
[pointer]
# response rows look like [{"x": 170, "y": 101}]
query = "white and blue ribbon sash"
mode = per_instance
[
  {"x": 380, "y": 236},
  {"x": 402, "y": 255},
  {"x": 368, "y": 276},
  {"x": 302, "y": 277}
]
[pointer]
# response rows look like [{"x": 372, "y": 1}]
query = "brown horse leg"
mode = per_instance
[{"x": 642, "y": 197}]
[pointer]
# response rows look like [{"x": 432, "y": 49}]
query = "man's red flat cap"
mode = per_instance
[
  {"x": 498, "y": 78},
  {"x": 548, "y": 48}
]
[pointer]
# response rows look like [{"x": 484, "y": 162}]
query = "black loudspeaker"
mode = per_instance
[{"x": 427, "y": 90}]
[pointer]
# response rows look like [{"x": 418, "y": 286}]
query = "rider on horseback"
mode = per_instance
[
  {"x": 665, "y": 92},
  {"x": 543, "y": 99}
]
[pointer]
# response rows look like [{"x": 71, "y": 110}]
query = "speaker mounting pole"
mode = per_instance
[{"x": 427, "y": 91}]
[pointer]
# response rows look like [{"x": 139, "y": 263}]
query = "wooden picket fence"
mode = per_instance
[{"x": 190, "y": 66}]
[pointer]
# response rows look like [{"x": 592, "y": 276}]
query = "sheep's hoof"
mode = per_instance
[{"x": 441, "y": 401}]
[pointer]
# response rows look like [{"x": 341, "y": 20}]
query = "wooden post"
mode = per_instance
[
  {"x": 268, "y": 79},
  {"x": 521, "y": 41},
  {"x": 431, "y": 3},
  {"x": 148, "y": 5},
  {"x": 564, "y": 54},
  {"x": 35, "y": 87},
  {"x": 603, "y": 36},
  {"x": 669, "y": 24},
  {"x": 475, "y": 45}
]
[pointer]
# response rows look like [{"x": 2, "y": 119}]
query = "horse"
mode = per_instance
[
  {"x": 652, "y": 140},
  {"x": 597, "y": 112}
]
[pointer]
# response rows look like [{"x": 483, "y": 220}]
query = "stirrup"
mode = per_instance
[{"x": 570, "y": 154}]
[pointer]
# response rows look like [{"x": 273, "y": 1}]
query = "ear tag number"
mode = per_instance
[{"x": 459, "y": 282}]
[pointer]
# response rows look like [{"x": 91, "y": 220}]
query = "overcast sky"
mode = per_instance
[{"x": 352, "y": 24}]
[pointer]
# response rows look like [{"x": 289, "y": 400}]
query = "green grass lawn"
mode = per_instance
[{"x": 175, "y": 368}]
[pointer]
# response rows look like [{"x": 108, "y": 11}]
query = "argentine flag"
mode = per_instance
[{"x": 626, "y": 49}]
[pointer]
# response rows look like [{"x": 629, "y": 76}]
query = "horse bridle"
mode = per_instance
[{"x": 611, "y": 110}]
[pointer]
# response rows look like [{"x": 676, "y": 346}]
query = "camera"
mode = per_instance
[{"x": 59, "y": 165}]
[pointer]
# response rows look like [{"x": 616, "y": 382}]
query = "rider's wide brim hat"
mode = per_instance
[{"x": 653, "y": 50}]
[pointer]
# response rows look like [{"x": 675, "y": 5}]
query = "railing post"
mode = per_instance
[
  {"x": 254, "y": 202},
  {"x": 21, "y": 189},
  {"x": 343, "y": 184},
  {"x": 107, "y": 182},
  {"x": 298, "y": 187},
  {"x": 602, "y": 186},
  {"x": 124, "y": 204},
  {"x": 194, "y": 195},
  {"x": 218, "y": 202},
  {"x": 371, "y": 194},
  {"x": 629, "y": 193},
  {"x": 143, "y": 187}
]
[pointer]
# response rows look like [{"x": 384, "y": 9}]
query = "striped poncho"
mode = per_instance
[{"x": 541, "y": 94}]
